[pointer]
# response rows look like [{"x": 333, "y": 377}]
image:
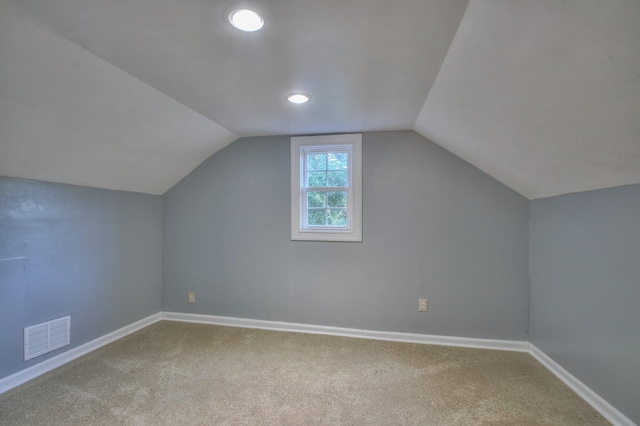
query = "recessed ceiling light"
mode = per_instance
[
  {"x": 298, "y": 98},
  {"x": 246, "y": 20}
]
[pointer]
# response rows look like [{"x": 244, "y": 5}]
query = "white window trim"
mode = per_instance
[{"x": 353, "y": 142}]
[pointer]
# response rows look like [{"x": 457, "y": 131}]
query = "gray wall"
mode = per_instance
[
  {"x": 91, "y": 253},
  {"x": 585, "y": 289},
  {"x": 434, "y": 227}
]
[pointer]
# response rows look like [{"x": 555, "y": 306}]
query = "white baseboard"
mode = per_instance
[
  {"x": 607, "y": 410},
  {"x": 592, "y": 398},
  {"x": 467, "y": 342},
  {"x": 30, "y": 373},
  {"x": 595, "y": 400}
]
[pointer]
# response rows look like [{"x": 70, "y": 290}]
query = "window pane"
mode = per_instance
[
  {"x": 316, "y": 179},
  {"x": 317, "y": 161},
  {"x": 337, "y": 160},
  {"x": 317, "y": 217},
  {"x": 337, "y": 179},
  {"x": 337, "y": 217},
  {"x": 317, "y": 199},
  {"x": 337, "y": 199}
]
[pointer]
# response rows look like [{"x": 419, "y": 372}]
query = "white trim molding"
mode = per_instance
[
  {"x": 607, "y": 410},
  {"x": 300, "y": 147},
  {"x": 596, "y": 401},
  {"x": 30, "y": 373},
  {"x": 467, "y": 342}
]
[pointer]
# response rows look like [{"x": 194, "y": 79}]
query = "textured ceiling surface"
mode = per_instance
[{"x": 133, "y": 95}]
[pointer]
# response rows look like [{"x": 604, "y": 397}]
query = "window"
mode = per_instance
[{"x": 326, "y": 188}]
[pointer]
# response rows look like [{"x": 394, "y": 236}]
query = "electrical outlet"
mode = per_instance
[
  {"x": 423, "y": 305},
  {"x": 192, "y": 297}
]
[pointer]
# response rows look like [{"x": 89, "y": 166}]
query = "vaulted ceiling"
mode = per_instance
[{"x": 543, "y": 95}]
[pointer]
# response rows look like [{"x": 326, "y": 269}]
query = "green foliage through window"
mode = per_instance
[
  {"x": 317, "y": 179},
  {"x": 337, "y": 198},
  {"x": 326, "y": 170},
  {"x": 316, "y": 199}
]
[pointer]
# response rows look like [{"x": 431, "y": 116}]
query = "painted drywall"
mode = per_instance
[
  {"x": 433, "y": 227},
  {"x": 65, "y": 250},
  {"x": 585, "y": 289}
]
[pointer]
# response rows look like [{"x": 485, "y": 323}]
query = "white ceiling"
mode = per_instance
[
  {"x": 542, "y": 95},
  {"x": 134, "y": 94}
]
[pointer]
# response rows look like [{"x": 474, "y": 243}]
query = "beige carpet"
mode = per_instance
[{"x": 192, "y": 374}]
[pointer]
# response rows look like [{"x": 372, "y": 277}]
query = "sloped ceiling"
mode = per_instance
[
  {"x": 542, "y": 95},
  {"x": 133, "y": 95},
  {"x": 68, "y": 116}
]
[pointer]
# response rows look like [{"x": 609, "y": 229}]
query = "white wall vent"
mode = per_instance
[{"x": 46, "y": 337}]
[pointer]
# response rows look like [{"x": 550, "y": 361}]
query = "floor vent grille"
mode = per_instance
[{"x": 46, "y": 337}]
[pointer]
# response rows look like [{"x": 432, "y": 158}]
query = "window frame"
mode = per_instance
[{"x": 300, "y": 146}]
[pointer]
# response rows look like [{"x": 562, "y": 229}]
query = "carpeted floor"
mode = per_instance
[{"x": 174, "y": 373}]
